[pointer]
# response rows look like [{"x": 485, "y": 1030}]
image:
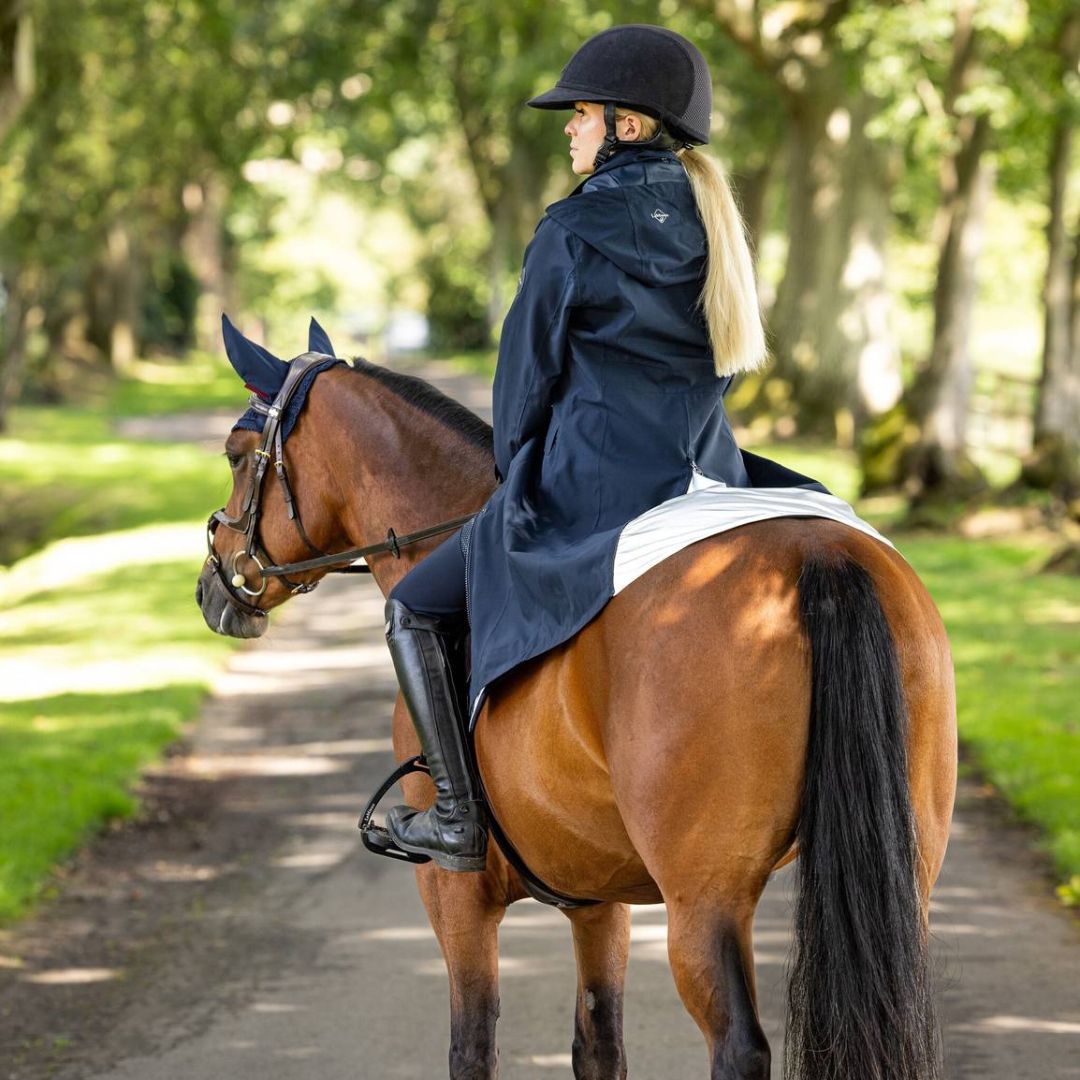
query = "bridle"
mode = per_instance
[{"x": 247, "y": 521}]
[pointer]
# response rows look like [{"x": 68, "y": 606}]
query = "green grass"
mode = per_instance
[
  {"x": 1015, "y": 636},
  {"x": 104, "y": 655},
  {"x": 836, "y": 469},
  {"x": 63, "y": 471},
  {"x": 201, "y": 381},
  {"x": 68, "y": 761}
]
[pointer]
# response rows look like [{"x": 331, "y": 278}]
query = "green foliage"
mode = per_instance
[
  {"x": 456, "y": 311},
  {"x": 1069, "y": 892},
  {"x": 1017, "y": 658},
  {"x": 836, "y": 469},
  {"x": 882, "y": 444},
  {"x": 168, "y": 311}
]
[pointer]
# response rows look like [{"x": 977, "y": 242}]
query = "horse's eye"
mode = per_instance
[{"x": 233, "y": 459}]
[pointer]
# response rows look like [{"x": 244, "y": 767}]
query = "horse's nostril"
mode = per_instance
[{"x": 198, "y": 594}]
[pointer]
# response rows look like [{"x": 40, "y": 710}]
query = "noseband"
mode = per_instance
[{"x": 247, "y": 521}]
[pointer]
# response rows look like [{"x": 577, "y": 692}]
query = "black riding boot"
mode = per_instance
[{"x": 454, "y": 831}]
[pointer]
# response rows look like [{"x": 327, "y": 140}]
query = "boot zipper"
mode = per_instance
[{"x": 465, "y": 555}]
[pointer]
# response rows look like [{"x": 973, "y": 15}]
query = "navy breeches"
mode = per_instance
[{"x": 436, "y": 584}]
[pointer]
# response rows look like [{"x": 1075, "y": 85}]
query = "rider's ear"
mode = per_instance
[
  {"x": 319, "y": 340},
  {"x": 262, "y": 372}
]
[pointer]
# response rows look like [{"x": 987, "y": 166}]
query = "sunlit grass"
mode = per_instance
[
  {"x": 201, "y": 381},
  {"x": 117, "y": 629},
  {"x": 65, "y": 472},
  {"x": 838, "y": 470},
  {"x": 104, "y": 655},
  {"x": 53, "y": 489},
  {"x": 1016, "y": 645},
  {"x": 96, "y": 677},
  {"x": 68, "y": 761}
]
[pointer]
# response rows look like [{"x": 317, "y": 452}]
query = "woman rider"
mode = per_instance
[{"x": 635, "y": 307}]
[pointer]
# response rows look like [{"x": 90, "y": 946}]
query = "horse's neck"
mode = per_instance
[{"x": 397, "y": 467}]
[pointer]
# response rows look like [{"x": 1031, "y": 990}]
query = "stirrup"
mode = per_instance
[{"x": 376, "y": 839}]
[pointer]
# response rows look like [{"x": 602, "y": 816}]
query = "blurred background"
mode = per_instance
[{"x": 910, "y": 178}]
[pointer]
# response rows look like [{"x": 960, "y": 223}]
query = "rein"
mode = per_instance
[{"x": 247, "y": 521}]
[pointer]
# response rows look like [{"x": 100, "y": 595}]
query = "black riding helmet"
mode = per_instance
[{"x": 647, "y": 68}]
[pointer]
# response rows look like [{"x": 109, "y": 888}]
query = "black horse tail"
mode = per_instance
[{"x": 860, "y": 1003}]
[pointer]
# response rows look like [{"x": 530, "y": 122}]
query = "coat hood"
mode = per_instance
[{"x": 639, "y": 212}]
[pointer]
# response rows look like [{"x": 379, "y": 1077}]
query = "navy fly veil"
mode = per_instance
[{"x": 263, "y": 373}]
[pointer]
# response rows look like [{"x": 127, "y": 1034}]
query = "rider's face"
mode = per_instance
[{"x": 586, "y": 130}]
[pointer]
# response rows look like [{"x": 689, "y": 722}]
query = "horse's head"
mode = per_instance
[{"x": 266, "y": 521}]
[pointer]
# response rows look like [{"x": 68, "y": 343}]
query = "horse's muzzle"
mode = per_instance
[{"x": 221, "y": 615}]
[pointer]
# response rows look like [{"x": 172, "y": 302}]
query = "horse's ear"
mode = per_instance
[
  {"x": 262, "y": 372},
  {"x": 318, "y": 340}
]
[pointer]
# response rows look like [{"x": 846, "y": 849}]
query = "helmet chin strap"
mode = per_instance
[
  {"x": 660, "y": 141},
  {"x": 611, "y": 139}
]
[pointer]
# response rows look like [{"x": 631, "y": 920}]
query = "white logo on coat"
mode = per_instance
[{"x": 660, "y": 215}]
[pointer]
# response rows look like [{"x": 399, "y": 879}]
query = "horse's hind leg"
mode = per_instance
[
  {"x": 712, "y": 960},
  {"x": 601, "y": 946}
]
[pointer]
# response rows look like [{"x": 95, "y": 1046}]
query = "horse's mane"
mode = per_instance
[{"x": 428, "y": 399}]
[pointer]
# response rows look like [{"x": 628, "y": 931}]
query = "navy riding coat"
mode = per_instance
[{"x": 605, "y": 401}]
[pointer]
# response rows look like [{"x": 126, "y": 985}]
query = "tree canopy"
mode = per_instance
[{"x": 871, "y": 144}]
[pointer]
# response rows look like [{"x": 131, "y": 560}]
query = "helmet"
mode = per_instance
[{"x": 644, "y": 67}]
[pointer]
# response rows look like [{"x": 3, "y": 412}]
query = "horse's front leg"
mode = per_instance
[
  {"x": 465, "y": 910},
  {"x": 602, "y": 947},
  {"x": 465, "y": 916}
]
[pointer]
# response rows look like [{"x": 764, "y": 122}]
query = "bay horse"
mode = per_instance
[{"x": 781, "y": 690}]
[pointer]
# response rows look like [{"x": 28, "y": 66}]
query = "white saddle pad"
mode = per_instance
[{"x": 713, "y": 508}]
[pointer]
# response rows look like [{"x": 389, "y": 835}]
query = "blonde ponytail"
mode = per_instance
[{"x": 729, "y": 299}]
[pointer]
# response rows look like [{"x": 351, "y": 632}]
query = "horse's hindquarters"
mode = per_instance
[{"x": 666, "y": 741}]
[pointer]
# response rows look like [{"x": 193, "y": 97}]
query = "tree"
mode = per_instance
[
  {"x": 441, "y": 87},
  {"x": 924, "y": 443},
  {"x": 137, "y": 110},
  {"x": 16, "y": 59},
  {"x": 16, "y": 85},
  {"x": 829, "y": 326},
  {"x": 1055, "y": 459},
  {"x": 443, "y": 120}
]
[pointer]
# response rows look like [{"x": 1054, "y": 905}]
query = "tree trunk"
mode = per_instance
[
  {"x": 830, "y": 323},
  {"x": 511, "y": 186},
  {"x": 921, "y": 443},
  {"x": 13, "y": 329},
  {"x": 500, "y": 255},
  {"x": 203, "y": 245},
  {"x": 938, "y": 465},
  {"x": 122, "y": 298},
  {"x": 17, "y": 49},
  {"x": 750, "y": 187},
  {"x": 514, "y": 208},
  {"x": 1054, "y": 462}
]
